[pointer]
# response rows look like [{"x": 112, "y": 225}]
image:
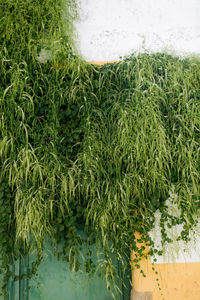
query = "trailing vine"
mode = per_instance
[{"x": 92, "y": 148}]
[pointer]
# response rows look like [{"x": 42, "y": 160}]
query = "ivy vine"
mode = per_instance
[{"x": 92, "y": 148}]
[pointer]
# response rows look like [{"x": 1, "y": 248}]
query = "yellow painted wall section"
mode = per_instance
[
  {"x": 178, "y": 281},
  {"x": 100, "y": 63}
]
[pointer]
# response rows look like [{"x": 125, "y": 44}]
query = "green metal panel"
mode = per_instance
[
  {"x": 1, "y": 283},
  {"x": 13, "y": 286},
  {"x": 55, "y": 281},
  {"x": 24, "y": 284}
]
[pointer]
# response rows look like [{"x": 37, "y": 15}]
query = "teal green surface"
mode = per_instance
[
  {"x": 13, "y": 286},
  {"x": 56, "y": 281},
  {"x": 1, "y": 283}
]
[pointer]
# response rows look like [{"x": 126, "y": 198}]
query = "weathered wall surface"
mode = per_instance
[{"x": 109, "y": 29}]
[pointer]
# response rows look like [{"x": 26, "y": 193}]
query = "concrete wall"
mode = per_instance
[{"x": 109, "y": 29}]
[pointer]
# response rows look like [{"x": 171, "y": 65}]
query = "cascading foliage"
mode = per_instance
[{"x": 87, "y": 147}]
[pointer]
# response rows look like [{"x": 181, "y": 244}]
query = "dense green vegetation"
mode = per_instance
[{"x": 96, "y": 148}]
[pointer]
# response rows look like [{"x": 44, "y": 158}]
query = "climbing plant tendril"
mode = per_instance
[{"x": 92, "y": 148}]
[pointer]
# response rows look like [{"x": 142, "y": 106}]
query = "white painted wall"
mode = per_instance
[
  {"x": 178, "y": 251},
  {"x": 109, "y": 29}
]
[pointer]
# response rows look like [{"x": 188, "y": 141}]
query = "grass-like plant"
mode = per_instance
[{"x": 97, "y": 148}]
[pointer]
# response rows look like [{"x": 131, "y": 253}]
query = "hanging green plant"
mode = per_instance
[{"x": 96, "y": 148}]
